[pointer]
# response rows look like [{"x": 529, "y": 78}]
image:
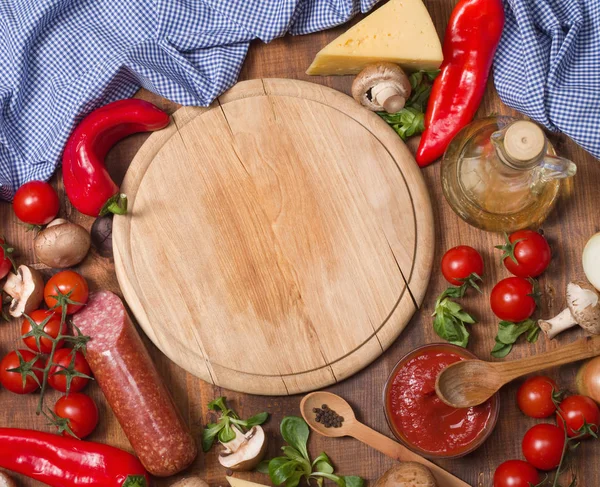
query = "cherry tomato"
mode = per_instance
[
  {"x": 543, "y": 446},
  {"x": 81, "y": 414},
  {"x": 13, "y": 381},
  {"x": 57, "y": 379},
  {"x": 52, "y": 328},
  {"x": 5, "y": 258},
  {"x": 66, "y": 282},
  {"x": 575, "y": 410},
  {"x": 516, "y": 473},
  {"x": 534, "y": 397},
  {"x": 512, "y": 299},
  {"x": 531, "y": 252},
  {"x": 460, "y": 262},
  {"x": 36, "y": 203}
]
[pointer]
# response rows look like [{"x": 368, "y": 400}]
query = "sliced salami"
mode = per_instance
[{"x": 133, "y": 388}]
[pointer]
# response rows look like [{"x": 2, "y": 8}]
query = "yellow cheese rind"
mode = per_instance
[
  {"x": 400, "y": 32},
  {"x": 235, "y": 482}
]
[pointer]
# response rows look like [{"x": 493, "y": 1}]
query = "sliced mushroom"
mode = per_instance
[
  {"x": 407, "y": 474},
  {"x": 382, "y": 86},
  {"x": 189, "y": 482},
  {"x": 245, "y": 451},
  {"x": 62, "y": 244},
  {"x": 26, "y": 288},
  {"x": 583, "y": 309}
]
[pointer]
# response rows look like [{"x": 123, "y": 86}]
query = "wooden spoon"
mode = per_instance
[
  {"x": 472, "y": 382},
  {"x": 352, "y": 427}
]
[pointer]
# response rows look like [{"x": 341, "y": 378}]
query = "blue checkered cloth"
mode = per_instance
[
  {"x": 61, "y": 59},
  {"x": 548, "y": 65}
]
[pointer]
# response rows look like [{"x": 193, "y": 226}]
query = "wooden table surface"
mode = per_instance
[{"x": 570, "y": 225}]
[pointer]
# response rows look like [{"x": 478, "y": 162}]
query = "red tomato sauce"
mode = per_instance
[{"x": 421, "y": 417}]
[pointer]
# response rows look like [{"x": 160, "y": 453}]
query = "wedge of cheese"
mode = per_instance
[
  {"x": 235, "y": 482},
  {"x": 401, "y": 32}
]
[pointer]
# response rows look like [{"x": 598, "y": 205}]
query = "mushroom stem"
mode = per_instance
[
  {"x": 239, "y": 440},
  {"x": 13, "y": 285},
  {"x": 388, "y": 96},
  {"x": 561, "y": 322}
]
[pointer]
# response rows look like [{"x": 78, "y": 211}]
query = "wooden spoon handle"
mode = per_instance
[
  {"x": 395, "y": 450},
  {"x": 579, "y": 350}
]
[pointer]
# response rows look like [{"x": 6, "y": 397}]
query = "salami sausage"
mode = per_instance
[{"x": 133, "y": 388}]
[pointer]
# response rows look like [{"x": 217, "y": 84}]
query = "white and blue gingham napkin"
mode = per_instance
[
  {"x": 60, "y": 59},
  {"x": 548, "y": 65}
]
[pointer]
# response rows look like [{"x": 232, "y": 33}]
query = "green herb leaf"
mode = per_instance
[
  {"x": 280, "y": 472},
  {"x": 294, "y": 479},
  {"x": 218, "y": 404},
  {"x": 295, "y": 432},
  {"x": 354, "y": 481},
  {"x": 209, "y": 434},
  {"x": 338, "y": 480},
  {"x": 263, "y": 467},
  {"x": 227, "y": 433},
  {"x": 508, "y": 334},
  {"x": 257, "y": 419},
  {"x": 135, "y": 481},
  {"x": 324, "y": 467},
  {"x": 449, "y": 322}
]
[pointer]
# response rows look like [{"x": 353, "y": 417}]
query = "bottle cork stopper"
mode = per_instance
[{"x": 524, "y": 141}]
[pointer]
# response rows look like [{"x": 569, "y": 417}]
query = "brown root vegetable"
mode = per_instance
[
  {"x": 245, "y": 451},
  {"x": 62, "y": 244},
  {"x": 26, "y": 288},
  {"x": 189, "y": 482},
  {"x": 6, "y": 481},
  {"x": 588, "y": 379},
  {"x": 407, "y": 474}
]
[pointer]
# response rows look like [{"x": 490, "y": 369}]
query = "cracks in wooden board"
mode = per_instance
[
  {"x": 233, "y": 140},
  {"x": 271, "y": 100},
  {"x": 401, "y": 273}
]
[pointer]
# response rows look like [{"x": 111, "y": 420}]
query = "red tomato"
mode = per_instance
[
  {"x": 543, "y": 446},
  {"x": 81, "y": 414},
  {"x": 535, "y": 397},
  {"x": 5, "y": 258},
  {"x": 67, "y": 283},
  {"x": 512, "y": 299},
  {"x": 36, "y": 203},
  {"x": 575, "y": 410},
  {"x": 460, "y": 262},
  {"x": 531, "y": 251},
  {"x": 52, "y": 328},
  {"x": 516, "y": 473},
  {"x": 57, "y": 378},
  {"x": 13, "y": 381}
]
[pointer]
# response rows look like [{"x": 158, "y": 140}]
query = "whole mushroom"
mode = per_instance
[
  {"x": 583, "y": 309},
  {"x": 382, "y": 86},
  {"x": 407, "y": 474},
  {"x": 62, "y": 244},
  {"x": 245, "y": 451},
  {"x": 26, "y": 288}
]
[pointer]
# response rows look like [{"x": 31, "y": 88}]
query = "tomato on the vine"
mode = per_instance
[
  {"x": 513, "y": 299},
  {"x": 534, "y": 397},
  {"x": 68, "y": 369},
  {"x": 459, "y": 263},
  {"x": 52, "y": 328},
  {"x": 6, "y": 262},
  {"x": 36, "y": 203},
  {"x": 575, "y": 411},
  {"x": 543, "y": 446},
  {"x": 526, "y": 253},
  {"x": 66, "y": 287},
  {"x": 516, "y": 473},
  {"x": 80, "y": 414},
  {"x": 29, "y": 376}
]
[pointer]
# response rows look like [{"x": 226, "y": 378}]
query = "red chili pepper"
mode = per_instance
[
  {"x": 59, "y": 461},
  {"x": 87, "y": 182},
  {"x": 472, "y": 37}
]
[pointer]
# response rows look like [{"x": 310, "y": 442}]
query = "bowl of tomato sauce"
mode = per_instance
[{"x": 420, "y": 420}]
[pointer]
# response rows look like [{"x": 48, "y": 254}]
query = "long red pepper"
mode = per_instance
[
  {"x": 59, "y": 461},
  {"x": 472, "y": 36},
  {"x": 87, "y": 182}
]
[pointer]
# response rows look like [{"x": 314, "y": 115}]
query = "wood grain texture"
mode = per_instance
[
  {"x": 296, "y": 248},
  {"x": 573, "y": 221}
]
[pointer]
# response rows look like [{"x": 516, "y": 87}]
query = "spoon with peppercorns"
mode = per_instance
[{"x": 330, "y": 415}]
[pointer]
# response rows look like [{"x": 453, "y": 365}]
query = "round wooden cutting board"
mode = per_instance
[{"x": 278, "y": 241}]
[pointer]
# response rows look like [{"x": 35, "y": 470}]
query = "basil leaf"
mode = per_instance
[
  {"x": 321, "y": 458},
  {"x": 294, "y": 479},
  {"x": 280, "y": 473},
  {"x": 218, "y": 404},
  {"x": 508, "y": 334},
  {"x": 449, "y": 322},
  {"x": 295, "y": 432},
  {"x": 226, "y": 434},
  {"x": 263, "y": 467},
  {"x": 354, "y": 481},
  {"x": 338, "y": 480},
  {"x": 324, "y": 467},
  {"x": 209, "y": 433},
  {"x": 257, "y": 419}
]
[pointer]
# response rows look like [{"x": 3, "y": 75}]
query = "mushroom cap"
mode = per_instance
[
  {"x": 62, "y": 244},
  {"x": 407, "y": 474},
  {"x": 190, "y": 482},
  {"x": 584, "y": 302},
  {"x": 382, "y": 75},
  {"x": 247, "y": 452}
]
